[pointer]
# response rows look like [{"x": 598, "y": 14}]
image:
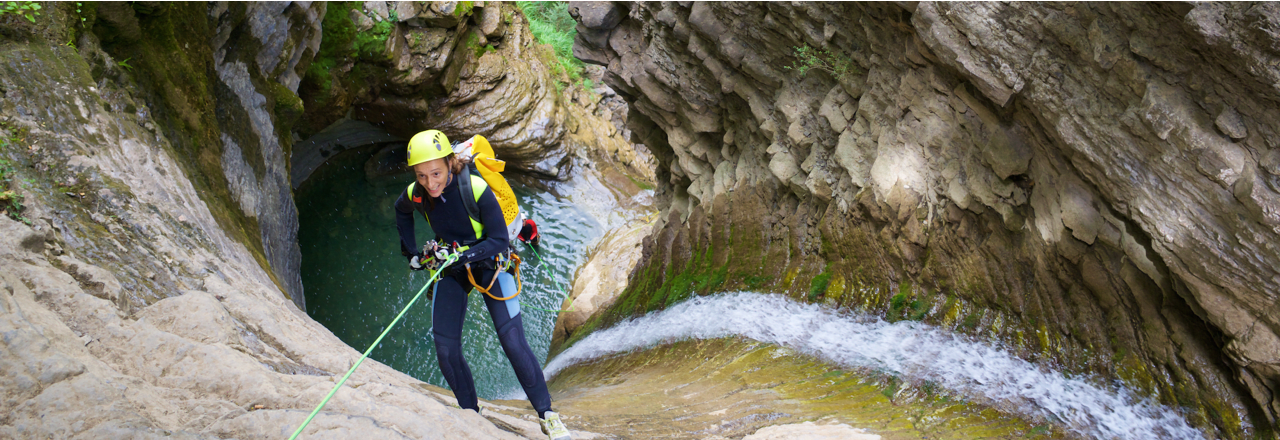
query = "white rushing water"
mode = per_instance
[{"x": 979, "y": 371}]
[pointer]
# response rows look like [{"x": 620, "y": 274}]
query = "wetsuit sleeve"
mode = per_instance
[
  {"x": 496, "y": 240},
  {"x": 404, "y": 225}
]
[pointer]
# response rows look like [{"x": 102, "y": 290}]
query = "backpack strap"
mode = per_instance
[
  {"x": 475, "y": 185},
  {"x": 416, "y": 201}
]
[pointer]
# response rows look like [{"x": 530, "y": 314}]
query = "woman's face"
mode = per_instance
[{"x": 432, "y": 175}]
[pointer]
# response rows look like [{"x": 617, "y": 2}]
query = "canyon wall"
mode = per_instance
[
  {"x": 129, "y": 311},
  {"x": 149, "y": 283},
  {"x": 218, "y": 82},
  {"x": 460, "y": 67},
  {"x": 1093, "y": 184}
]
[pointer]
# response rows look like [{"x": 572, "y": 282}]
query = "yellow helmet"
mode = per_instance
[{"x": 427, "y": 146}]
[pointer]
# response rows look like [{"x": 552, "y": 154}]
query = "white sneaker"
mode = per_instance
[{"x": 554, "y": 428}]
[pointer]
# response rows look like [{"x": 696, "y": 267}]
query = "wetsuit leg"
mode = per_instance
[
  {"x": 507, "y": 320},
  {"x": 448, "y": 311}
]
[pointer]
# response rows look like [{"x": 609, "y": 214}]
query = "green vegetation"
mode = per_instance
[
  {"x": 837, "y": 64},
  {"x": 462, "y": 10},
  {"x": 472, "y": 41},
  {"x": 372, "y": 44},
  {"x": 919, "y": 309},
  {"x": 28, "y": 10},
  {"x": 338, "y": 42},
  {"x": 712, "y": 282},
  {"x": 342, "y": 45},
  {"x": 10, "y": 201},
  {"x": 819, "y": 284},
  {"x": 586, "y": 84},
  {"x": 551, "y": 24},
  {"x": 754, "y": 282},
  {"x": 895, "y": 307}
]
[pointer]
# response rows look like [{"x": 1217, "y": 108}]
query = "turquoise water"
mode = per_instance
[{"x": 356, "y": 280}]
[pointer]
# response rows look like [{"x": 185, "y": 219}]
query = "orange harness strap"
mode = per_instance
[{"x": 519, "y": 285}]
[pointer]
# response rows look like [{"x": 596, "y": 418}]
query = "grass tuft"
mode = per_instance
[{"x": 551, "y": 24}]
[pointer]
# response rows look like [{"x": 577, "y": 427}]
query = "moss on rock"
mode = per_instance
[{"x": 171, "y": 60}]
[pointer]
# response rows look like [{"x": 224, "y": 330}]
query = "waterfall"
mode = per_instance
[{"x": 979, "y": 371}]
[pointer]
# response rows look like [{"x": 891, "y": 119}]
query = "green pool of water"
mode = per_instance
[{"x": 356, "y": 280}]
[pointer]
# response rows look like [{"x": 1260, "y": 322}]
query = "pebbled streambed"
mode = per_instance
[{"x": 356, "y": 280}]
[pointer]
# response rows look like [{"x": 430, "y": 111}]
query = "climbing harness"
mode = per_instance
[
  {"x": 504, "y": 261},
  {"x": 450, "y": 259}
]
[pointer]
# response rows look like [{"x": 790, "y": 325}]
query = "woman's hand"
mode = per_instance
[{"x": 417, "y": 262}]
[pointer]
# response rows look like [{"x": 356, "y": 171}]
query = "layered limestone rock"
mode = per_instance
[
  {"x": 1095, "y": 184},
  {"x": 460, "y": 67}
]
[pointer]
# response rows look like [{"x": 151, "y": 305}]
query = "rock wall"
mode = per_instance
[
  {"x": 1094, "y": 184},
  {"x": 147, "y": 278},
  {"x": 258, "y": 49},
  {"x": 127, "y": 309},
  {"x": 461, "y": 67},
  {"x": 219, "y": 82}
]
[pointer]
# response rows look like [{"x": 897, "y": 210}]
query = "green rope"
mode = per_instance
[
  {"x": 556, "y": 283},
  {"x": 443, "y": 265}
]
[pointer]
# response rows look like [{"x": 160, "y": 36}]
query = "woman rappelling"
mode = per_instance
[{"x": 468, "y": 220}]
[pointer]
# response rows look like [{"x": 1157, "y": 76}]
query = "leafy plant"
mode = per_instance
[
  {"x": 125, "y": 64},
  {"x": 918, "y": 310},
  {"x": 10, "y": 200},
  {"x": 551, "y": 24},
  {"x": 372, "y": 44},
  {"x": 837, "y": 64},
  {"x": 28, "y": 10}
]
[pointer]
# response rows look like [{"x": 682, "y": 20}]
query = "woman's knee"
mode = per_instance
[{"x": 446, "y": 347}]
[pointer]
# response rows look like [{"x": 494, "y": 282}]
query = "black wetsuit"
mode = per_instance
[{"x": 450, "y": 222}]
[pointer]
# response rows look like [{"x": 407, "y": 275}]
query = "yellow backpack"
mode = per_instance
[{"x": 489, "y": 167}]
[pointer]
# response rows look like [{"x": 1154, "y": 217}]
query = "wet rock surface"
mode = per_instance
[
  {"x": 601, "y": 280},
  {"x": 735, "y": 388},
  {"x": 258, "y": 52},
  {"x": 1090, "y": 183}
]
